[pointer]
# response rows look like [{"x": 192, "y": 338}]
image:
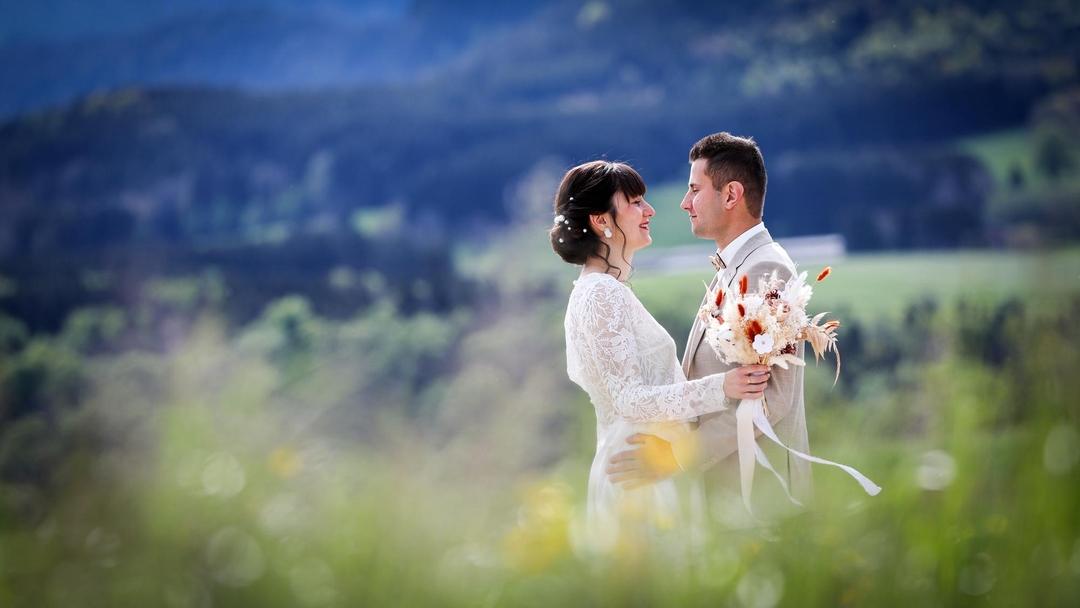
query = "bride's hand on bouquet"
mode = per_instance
[
  {"x": 651, "y": 461},
  {"x": 746, "y": 382}
]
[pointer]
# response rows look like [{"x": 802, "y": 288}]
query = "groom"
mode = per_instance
[{"x": 725, "y": 199}]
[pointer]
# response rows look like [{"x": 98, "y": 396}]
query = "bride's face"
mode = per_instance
[{"x": 632, "y": 217}]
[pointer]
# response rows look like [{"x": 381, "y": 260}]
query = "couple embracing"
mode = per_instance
[{"x": 665, "y": 428}]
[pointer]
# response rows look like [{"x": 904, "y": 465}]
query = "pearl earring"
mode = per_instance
[{"x": 607, "y": 233}]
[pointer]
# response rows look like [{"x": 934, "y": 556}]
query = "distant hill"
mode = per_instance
[
  {"x": 818, "y": 84},
  {"x": 54, "y": 51}
]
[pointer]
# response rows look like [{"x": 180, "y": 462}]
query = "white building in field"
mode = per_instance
[{"x": 812, "y": 249}]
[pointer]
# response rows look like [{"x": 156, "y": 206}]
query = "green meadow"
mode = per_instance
[{"x": 866, "y": 287}]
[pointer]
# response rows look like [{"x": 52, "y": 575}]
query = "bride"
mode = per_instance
[{"x": 626, "y": 362}]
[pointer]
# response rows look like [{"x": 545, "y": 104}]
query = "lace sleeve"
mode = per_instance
[{"x": 611, "y": 344}]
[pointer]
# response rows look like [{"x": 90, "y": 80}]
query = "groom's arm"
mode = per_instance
[{"x": 715, "y": 438}]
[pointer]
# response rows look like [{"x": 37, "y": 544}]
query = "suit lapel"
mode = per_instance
[
  {"x": 727, "y": 275},
  {"x": 697, "y": 329},
  {"x": 756, "y": 242}
]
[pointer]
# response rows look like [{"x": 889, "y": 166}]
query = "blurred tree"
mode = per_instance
[
  {"x": 987, "y": 333},
  {"x": 30, "y": 450},
  {"x": 13, "y": 335},
  {"x": 1016, "y": 177},
  {"x": 400, "y": 356},
  {"x": 93, "y": 329},
  {"x": 1053, "y": 155},
  {"x": 44, "y": 377},
  {"x": 286, "y": 333}
]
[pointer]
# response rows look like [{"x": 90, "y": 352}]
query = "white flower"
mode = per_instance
[
  {"x": 753, "y": 302},
  {"x": 796, "y": 292},
  {"x": 763, "y": 344}
]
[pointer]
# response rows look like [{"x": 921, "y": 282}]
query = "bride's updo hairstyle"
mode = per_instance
[{"x": 589, "y": 189}]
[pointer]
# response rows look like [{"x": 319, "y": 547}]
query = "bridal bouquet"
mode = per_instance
[{"x": 766, "y": 327}]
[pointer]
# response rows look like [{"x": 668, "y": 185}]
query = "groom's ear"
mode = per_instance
[{"x": 732, "y": 192}]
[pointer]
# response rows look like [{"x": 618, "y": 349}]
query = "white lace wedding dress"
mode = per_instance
[{"x": 626, "y": 362}]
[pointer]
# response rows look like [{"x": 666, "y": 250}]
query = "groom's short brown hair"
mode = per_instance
[{"x": 732, "y": 158}]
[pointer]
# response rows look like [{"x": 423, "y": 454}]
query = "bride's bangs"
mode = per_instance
[{"x": 627, "y": 180}]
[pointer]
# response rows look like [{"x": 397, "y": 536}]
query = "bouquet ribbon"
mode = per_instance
[{"x": 750, "y": 414}]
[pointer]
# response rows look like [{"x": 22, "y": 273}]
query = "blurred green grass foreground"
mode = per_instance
[{"x": 424, "y": 459}]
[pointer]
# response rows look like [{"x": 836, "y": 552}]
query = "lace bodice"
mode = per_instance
[{"x": 626, "y": 361}]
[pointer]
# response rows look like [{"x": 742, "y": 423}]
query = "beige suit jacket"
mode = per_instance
[{"x": 712, "y": 445}]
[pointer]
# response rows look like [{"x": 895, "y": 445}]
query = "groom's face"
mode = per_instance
[{"x": 703, "y": 202}]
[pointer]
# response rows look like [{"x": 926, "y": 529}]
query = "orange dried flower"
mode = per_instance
[
  {"x": 753, "y": 329},
  {"x": 744, "y": 284},
  {"x": 824, "y": 273},
  {"x": 720, "y": 297},
  {"x": 742, "y": 310}
]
